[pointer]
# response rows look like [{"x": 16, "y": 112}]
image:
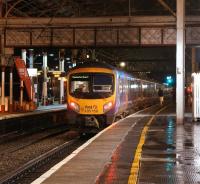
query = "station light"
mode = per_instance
[
  {"x": 134, "y": 86},
  {"x": 32, "y": 72},
  {"x": 51, "y": 54},
  {"x": 122, "y": 64},
  {"x": 87, "y": 56},
  {"x": 169, "y": 80}
]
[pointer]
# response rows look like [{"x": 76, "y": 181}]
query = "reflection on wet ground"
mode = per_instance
[{"x": 171, "y": 153}]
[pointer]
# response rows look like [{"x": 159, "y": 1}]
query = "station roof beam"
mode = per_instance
[{"x": 167, "y": 7}]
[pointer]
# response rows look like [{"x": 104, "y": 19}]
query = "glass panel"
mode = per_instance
[
  {"x": 80, "y": 83},
  {"x": 91, "y": 85},
  {"x": 102, "y": 83}
]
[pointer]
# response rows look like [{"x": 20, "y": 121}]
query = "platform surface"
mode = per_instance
[
  {"x": 143, "y": 148},
  {"x": 39, "y": 110}
]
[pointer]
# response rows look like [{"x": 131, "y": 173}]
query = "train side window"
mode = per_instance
[
  {"x": 145, "y": 89},
  {"x": 120, "y": 86}
]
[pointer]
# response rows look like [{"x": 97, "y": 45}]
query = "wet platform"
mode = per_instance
[{"x": 146, "y": 147}]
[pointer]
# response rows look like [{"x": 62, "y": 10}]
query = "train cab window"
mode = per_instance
[
  {"x": 79, "y": 84},
  {"x": 102, "y": 83},
  {"x": 91, "y": 85}
]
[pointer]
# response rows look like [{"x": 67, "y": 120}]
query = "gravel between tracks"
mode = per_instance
[{"x": 12, "y": 161}]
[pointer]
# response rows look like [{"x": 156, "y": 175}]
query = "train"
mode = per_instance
[{"x": 98, "y": 94}]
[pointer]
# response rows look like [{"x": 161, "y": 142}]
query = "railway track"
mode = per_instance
[
  {"x": 5, "y": 149},
  {"x": 21, "y": 158},
  {"x": 17, "y": 134},
  {"x": 36, "y": 164}
]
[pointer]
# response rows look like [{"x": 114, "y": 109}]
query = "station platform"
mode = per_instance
[
  {"x": 145, "y": 147},
  {"x": 39, "y": 110}
]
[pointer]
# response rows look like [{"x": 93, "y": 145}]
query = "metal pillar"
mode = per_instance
[
  {"x": 44, "y": 90},
  {"x": 3, "y": 66},
  {"x": 129, "y": 8},
  {"x": 21, "y": 94},
  {"x": 61, "y": 65},
  {"x": 11, "y": 90},
  {"x": 31, "y": 66},
  {"x": 24, "y": 55},
  {"x": 180, "y": 62},
  {"x": 74, "y": 57},
  {"x": 3, "y": 88},
  {"x": 1, "y": 8},
  {"x": 61, "y": 90},
  {"x": 193, "y": 59},
  {"x": 31, "y": 58},
  {"x": 22, "y": 82},
  {"x": 93, "y": 55}
]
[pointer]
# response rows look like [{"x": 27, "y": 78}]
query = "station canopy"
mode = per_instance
[
  {"x": 92, "y": 8},
  {"x": 160, "y": 62}
]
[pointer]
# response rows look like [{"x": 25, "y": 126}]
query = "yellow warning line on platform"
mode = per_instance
[{"x": 135, "y": 165}]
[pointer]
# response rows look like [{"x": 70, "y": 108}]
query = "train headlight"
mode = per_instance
[
  {"x": 74, "y": 106},
  {"x": 107, "y": 106}
]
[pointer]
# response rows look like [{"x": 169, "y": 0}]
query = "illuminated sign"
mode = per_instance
[
  {"x": 80, "y": 77},
  {"x": 32, "y": 72}
]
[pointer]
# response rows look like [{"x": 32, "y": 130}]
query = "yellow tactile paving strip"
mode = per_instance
[{"x": 136, "y": 162}]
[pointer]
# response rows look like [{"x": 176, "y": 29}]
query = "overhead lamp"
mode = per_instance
[
  {"x": 122, "y": 64},
  {"x": 56, "y": 75}
]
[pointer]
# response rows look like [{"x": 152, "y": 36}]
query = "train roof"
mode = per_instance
[
  {"x": 92, "y": 64},
  {"x": 95, "y": 64}
]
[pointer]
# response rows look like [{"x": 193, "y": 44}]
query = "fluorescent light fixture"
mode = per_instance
[{"x": 32, "y": 72}]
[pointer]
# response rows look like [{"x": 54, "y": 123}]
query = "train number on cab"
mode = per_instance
[{"x": 91, "y": 109}]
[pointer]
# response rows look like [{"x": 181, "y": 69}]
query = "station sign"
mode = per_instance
[
  {"x": 23, "y": 75},
  {"x": 32, "y": 72}
]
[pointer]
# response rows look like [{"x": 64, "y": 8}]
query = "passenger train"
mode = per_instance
[{"x": 98, "y": 93}]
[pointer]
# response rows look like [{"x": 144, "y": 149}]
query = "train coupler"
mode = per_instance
[{"x": 91, "y": 121}]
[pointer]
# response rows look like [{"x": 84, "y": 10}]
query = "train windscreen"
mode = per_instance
[{"x": 91, "y": 85}]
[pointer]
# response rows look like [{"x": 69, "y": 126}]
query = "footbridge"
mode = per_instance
[{"x": 97, "y": 32}]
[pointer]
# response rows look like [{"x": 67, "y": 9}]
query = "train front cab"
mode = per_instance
[{"x": 94, "y": 104}]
